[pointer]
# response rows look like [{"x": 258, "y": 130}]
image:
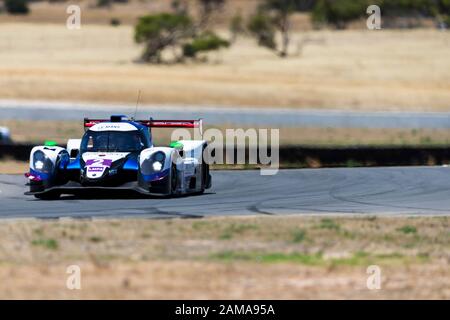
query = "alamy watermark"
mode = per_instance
[
  {"x": 239, "y": 146},
  {"x": 73, "y": 21},
  {"x": 73, "y": 281},
  {"x": 374, "y": 279},
  {"x": 374, "y": 20}
]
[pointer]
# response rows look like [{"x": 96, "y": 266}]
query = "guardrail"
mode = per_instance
[{"x": 309, "y": 156}]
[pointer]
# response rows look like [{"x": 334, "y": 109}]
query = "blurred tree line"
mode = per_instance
[
  {"x": 270, "y": 25},
  {"x": 188, "y": 32},
  {"x": 339, "y": 12},
  {"x": 273, "y": 16}
]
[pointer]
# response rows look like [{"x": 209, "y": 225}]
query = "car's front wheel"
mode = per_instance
[{"x": 173, "y": 179}]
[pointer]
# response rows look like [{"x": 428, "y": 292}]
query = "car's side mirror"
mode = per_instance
[
  {"x": 181, "y": 152},
  {"x": 74, "y": 153}
]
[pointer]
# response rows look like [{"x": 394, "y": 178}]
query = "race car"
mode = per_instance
[{"x": 118, "y": 153}]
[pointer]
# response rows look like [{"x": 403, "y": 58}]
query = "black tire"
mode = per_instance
[
  {"x": 173, "y": 181},
  {"x": 48, "y": 196},
  {"x": 206, "y": 177}
]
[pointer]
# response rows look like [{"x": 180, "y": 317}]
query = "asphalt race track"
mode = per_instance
[
  {"x": 266, "y": 117},
  {"x": 387, "y": 191}
]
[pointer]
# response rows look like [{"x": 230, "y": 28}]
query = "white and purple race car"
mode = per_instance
[{"x": 119, "y": 154}]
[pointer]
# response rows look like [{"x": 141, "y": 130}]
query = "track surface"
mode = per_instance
[
  {"x": 411, "y": 191},
  {"x": 274, "y": 118}
]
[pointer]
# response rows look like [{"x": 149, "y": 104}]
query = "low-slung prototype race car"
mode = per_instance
[{"x": 118, "y": 153}]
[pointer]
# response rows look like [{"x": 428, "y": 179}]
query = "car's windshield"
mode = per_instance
[{"x": 112, "y": 141}]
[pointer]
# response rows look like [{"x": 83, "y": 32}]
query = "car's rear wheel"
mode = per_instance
[
  {"x": 206, "y": 177},
  {"x": 203, "y": 177}
]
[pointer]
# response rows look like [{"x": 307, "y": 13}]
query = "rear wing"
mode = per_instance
[{"x": 88, "y": 123}]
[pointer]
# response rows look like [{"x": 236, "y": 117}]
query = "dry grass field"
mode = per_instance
[
  {"x": 354, "y": 70},
  {"x": 286, "y": 257}
]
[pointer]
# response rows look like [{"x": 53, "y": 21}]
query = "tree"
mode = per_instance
[
  {"x": 179, "y": 6},
  {"x": 104, "y": 3},
  {"x": 444, "y": 7},
  {"x": 207, "y": 41},
  {"x": 177, "y": 31},
  {"x": 282, "y": 10},
  {"x": 261, "y": 27},
  {"x": 339, "y": 13},
  {"x": 236, "y": 26},
  {"x": 211, "y": 5},
  {"x": 160, "y": 31},
  {"x": 443, "y": 14},
  {"x": 107, "y": 3},
  {"x": 17, "y": 6},
  {"x": 207, "y": 7},
  {"x": 274, "y": 15}
]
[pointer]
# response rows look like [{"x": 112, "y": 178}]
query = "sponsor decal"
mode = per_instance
[
  {"x": 99, "y": 162},
  {"x": 96, "y": 167}
]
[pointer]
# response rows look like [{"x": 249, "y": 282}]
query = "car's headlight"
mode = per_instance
[
  {"x": 153, "y": 164},
  {"x": 41, "y": 162},
  {"x": 157, "y": 166},
  {"x": 39, "y": 165}
]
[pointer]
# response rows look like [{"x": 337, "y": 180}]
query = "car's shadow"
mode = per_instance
[{"x": 123, "y": 195}]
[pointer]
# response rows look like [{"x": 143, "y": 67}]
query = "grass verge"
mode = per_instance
[{"x": 253, "y": 257}]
